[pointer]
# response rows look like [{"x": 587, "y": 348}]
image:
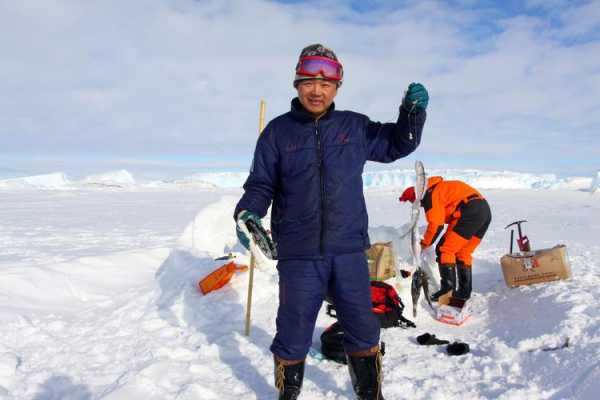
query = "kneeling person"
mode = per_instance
[{"x": 468, "y": 217}]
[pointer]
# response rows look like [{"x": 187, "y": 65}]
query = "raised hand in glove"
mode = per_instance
[
  {"x": 245, "y": 215},
  {"x": 415, "y": 99}
]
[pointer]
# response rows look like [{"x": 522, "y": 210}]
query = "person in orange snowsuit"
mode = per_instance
[{"x": 468, "y": 216}]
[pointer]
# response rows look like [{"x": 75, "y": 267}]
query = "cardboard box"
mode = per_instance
[
  {"x": 544, "y": 265},
  {"x": 452, "y": 310},
  {"x": 382, "y": 261}
]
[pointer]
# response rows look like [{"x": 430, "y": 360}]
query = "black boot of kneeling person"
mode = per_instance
[
  {"x": 366, "y": 374},
  {"x": 465, "y": 278},
  {"x": 288, "y": 378},
  {"x": 447, "y": 280}
]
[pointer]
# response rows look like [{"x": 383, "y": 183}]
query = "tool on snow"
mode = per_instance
[
  {"x": 228, "y": 256},
  {"x": 261, "y": 125},
  {"x": 522, "y": 241},
  {"x": 220, "y": 277},
  {"x": 566, "y": 343}
]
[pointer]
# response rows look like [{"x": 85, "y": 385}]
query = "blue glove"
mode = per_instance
[
  {"x": 415, "y": 99},
  {"x": 245, "y": 215}
]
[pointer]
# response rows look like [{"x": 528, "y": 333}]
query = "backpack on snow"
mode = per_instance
[
  {"x": 387, "y": 306},
  {"x": 332, "y": 344}
]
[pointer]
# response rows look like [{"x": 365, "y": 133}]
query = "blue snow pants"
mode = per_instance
[{"x": 303, "y": 285}]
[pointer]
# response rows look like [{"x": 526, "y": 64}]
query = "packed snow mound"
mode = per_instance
[
  {"x": 595, "y": 183},
  {"x": 112, "y": 178},
  {"x": 57, "y": 180},
  {"x": 213, "y": 232},
  {"x": 213, "y": 229}
]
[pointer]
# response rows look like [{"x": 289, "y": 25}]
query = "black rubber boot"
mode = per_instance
[
  {"x": 464, "y": 282},
  {"x": 366, "y": 375},
  {"x": 447, "y": 281},
  {"x": 288, "y": 379}
]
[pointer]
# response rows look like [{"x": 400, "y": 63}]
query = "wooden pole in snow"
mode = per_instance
[{"x": 261, "y": 126}]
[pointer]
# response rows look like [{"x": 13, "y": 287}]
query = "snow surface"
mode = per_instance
[
  {"x": 98, "y": 300},
  {"x": 396, "y": 178}
]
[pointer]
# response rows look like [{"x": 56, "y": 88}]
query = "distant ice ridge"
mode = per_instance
[
  {"x": 480, "y": 179},
  {"x": 113, "y": 178},
  {"x": 55, "y": 180},
  {"x": 401, "y": 178},
  {"x": 60, "y": 181},
  {"x": 221, "y": 179},
  {"x": 396, "y": 179},
  {"x": 182, "y": 183}
]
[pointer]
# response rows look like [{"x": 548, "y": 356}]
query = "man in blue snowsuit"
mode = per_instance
[{"x": 309, "y": 163}]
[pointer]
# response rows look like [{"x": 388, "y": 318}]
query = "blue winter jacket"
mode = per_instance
[{"x": 312, "y": 171}]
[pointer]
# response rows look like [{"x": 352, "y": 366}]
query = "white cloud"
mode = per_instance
[{"x": 142, "y": 78}]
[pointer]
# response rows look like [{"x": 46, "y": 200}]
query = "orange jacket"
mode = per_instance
[{"x": 440, "y": 202}]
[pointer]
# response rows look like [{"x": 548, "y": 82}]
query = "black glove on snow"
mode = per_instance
[
  {"x": 457, "y": 349},
  {"x": 428, "y": 339}
]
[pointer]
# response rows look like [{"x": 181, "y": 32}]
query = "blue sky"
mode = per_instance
[{"x": 514, "y": 85}]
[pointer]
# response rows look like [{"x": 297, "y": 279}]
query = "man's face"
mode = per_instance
[{"x": 316, "y": 95}]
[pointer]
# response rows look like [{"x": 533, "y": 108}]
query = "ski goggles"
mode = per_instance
[{"x": 315, "y": 66}]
